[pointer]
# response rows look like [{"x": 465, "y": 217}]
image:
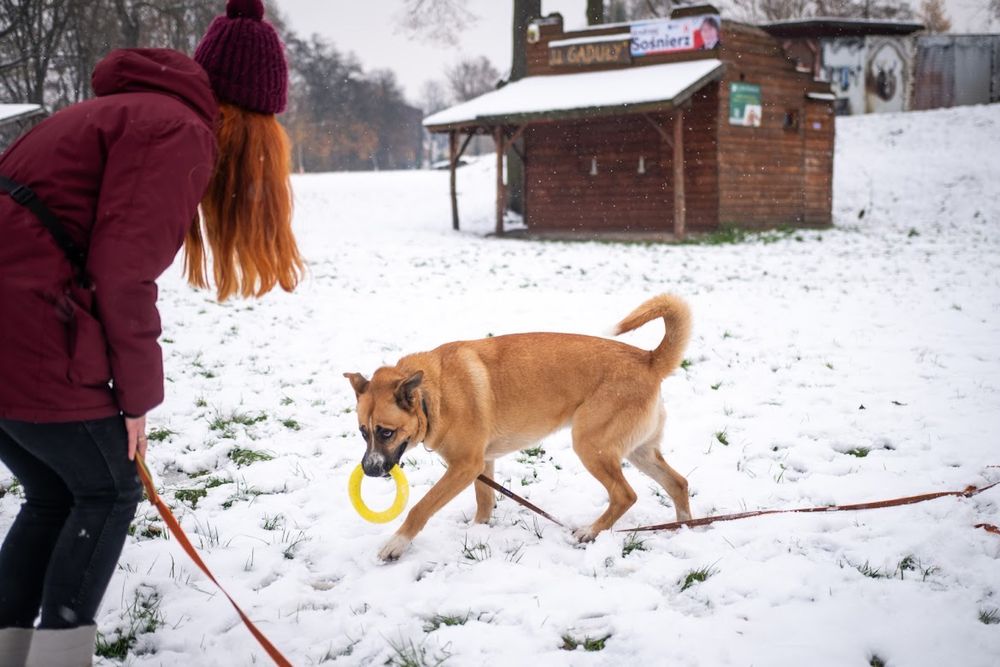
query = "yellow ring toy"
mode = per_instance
[{"x": 402, "y": 496}]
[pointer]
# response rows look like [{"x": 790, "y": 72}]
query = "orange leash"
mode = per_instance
[{"x": 175, "y": 529}]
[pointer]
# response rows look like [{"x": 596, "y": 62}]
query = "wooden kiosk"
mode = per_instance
[{"x": 668, "y": 126}]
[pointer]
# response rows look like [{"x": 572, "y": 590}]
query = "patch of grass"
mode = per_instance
[
  {"x": 213, "y": 482},
  {"x": 876, "y": 661},
  {"x": 291, "y": 424},
  {"x": 632, "y": 543},
  {"x": 686, "y": 364},
  {"x": 226, "y": 423},
  {"x": 722, "y": 436},
  {"x": 242, "y": 456},
  {"x": 145, "y": 529},
  {"x": 200, "y": 402},
  {"x": 286, "y": 400},
  {"x": 14, "y": 488},
  {"x": 571, "y": 643},
  {"x": 860, "y": 452},
  {"x": 696, "y": 577},
  {"x": 408, "y": 654},
  {"x": 160, "y": 434},
  {"x": 273, "y": 522},
  {"x": 715, "y": 387},
  {"x": 730, "y": 234},
  {"x": 243, "y": 491},
  {"x": 989, "y": 616},
  {"x": 293, "y": 543},
  {"x": 142, "y": 616},
  {"x": 873, "y": 572},
  {"x": 479, "y": 551},
  {"x": 190, "y": 496},
  {"x": 437, "y": 620}
]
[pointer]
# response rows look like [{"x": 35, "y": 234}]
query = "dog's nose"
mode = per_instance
[{"x": 374, "y": 465}]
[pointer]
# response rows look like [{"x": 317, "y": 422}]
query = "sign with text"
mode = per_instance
[
  {"x": 744, "y": 104},
  {"x": 593, "y": 53},
  {"x": 690, "y": 33}
]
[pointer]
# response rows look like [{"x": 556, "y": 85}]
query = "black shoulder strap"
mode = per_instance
[{"x": 26, "y": 197}]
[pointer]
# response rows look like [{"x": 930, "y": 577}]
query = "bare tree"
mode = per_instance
[
  {"x": 472, "y": 77},
  {"x": 30, "y": 44},
  {"x": 619, "y": 11},
  {"x": 933, "y": 16},
  {"x": 438, "y": 21}
]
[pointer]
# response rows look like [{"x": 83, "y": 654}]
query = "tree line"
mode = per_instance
[{"x": 339, "y": 116}]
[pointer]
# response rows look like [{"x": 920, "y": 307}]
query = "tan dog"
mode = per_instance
[{"x": 474, "y": 401}]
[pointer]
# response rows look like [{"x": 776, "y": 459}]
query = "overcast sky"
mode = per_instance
[{"x": 370, "y": 30}]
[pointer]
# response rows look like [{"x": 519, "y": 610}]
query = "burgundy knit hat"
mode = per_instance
[{"x": 245, "y": 59}]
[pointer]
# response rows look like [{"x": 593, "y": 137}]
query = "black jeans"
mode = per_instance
[{"x": 80, "y": 493}]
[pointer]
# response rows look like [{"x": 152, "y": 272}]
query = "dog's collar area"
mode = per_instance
[{"x": 427, "y": 417}]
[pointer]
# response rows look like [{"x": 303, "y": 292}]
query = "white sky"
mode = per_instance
[{"x": 370, "y": 30}]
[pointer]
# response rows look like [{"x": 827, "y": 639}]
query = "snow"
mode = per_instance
[
  {"x": 582, "y": 91},
  {"x": 880, "y": 334},
  {"x": 12, "y": 111},
  {"x": 599, "y": 39}
]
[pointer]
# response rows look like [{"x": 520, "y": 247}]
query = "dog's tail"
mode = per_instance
[{"x": 677, "y": 319}]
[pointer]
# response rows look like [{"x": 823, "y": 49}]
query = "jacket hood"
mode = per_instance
[{"x": 156, "y": 71}]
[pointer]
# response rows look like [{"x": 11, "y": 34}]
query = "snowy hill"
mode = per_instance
[{"x": 841, "y": 366}]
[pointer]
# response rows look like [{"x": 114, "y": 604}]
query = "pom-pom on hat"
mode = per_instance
[{"x": 245, "y": 59}]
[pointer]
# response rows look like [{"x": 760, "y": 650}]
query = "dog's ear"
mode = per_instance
[
  {"x": 405, "y": 388},
  {"x": 358, "y": 381}
]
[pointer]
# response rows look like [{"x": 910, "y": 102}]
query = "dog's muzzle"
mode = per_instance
[{"x": 376, "y": 464}]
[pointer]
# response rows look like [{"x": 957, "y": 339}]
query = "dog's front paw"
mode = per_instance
[
  {"x": 394, "y": 548},
  {"x": 586, "y": 534}
]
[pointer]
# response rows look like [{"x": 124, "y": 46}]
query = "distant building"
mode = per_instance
[
  {"x": 676, "y": 125},
  {"x": 875, "y": 65},
  {"x": 869, "y": 63}
]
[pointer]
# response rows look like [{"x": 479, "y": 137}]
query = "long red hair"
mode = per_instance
[{"x": 246, "y": 211}]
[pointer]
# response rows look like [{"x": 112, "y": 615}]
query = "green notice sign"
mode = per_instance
[{"x": 744, "y": 104}]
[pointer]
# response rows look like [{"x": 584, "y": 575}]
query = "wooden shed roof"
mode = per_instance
[
  {"x": 12, "y": 112},
  {"x": 581, "y": 95},
  {"x": 822, "y": 26}
]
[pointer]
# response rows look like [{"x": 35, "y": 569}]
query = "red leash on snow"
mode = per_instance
[
  {"x": 968, "y": 492},
  {"x": 175, "y": 529}
]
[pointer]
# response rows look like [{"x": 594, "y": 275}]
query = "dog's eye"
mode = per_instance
[{"x": 386, "y": 434}]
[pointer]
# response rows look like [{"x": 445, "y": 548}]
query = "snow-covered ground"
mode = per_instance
[{"x": 878, "y": 337}]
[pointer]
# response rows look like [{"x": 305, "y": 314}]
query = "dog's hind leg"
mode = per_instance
[
  {"x": 647, "y": 458},
  {"x": 603, "y": 461},
  {"x": 485, "y": 499}
]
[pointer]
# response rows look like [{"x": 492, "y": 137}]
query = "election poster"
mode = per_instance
[{"x": 690, "y": 33}]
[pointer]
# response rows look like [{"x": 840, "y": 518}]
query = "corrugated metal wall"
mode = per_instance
[{"x": 954, "y": 70}]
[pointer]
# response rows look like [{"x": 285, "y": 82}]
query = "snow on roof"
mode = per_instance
[
  {"x": 13, "y": 111},
  {"x": 582, "y": 94},
  {"x": 617, "y": 37}
]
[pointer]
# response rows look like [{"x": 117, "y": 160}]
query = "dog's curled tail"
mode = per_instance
[{"x": 677, "y": 319}]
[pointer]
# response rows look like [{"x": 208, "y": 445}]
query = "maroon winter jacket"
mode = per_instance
[{"x": 124, "y": 172}]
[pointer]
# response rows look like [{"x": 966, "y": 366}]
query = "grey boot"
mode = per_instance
[
  {"x": 14, "y": 644},
  {"x": 63, "y": 648}
]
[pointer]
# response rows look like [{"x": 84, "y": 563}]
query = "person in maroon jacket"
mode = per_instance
[{"x": 80, "y": 365}]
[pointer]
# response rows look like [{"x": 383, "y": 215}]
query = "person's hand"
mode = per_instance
[{"x": 136, "y": 429}]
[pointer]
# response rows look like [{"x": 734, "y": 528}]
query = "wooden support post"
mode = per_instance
[
  {"x": 501, "y": 191},
  {"x": 679, "y": 203},
  {"x": 452, "y": 159}
]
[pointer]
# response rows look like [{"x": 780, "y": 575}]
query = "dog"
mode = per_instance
[{"x": 474, "y": 401}]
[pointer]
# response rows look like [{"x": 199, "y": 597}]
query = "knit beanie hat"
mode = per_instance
[{"x": 245, "y": 59}]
